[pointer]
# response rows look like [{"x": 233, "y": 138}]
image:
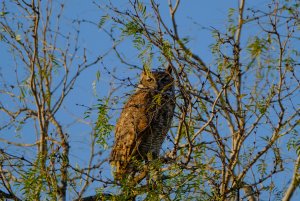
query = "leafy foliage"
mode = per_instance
[{"x": 102, "y": 127}]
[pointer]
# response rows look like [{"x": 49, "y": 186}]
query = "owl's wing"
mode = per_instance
[{"x": 135, "y": 118}]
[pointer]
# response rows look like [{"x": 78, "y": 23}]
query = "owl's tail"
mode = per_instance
[
  {"x": 124, "y": 174},
  {"x": 121, "y": 171}
]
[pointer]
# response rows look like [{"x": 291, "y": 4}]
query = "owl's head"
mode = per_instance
[{"x": 156, "y": 80}]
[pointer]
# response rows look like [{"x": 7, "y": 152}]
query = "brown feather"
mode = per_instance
[{"x": 144, "y": 123}]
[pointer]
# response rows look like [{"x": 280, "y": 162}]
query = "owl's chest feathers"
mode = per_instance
[
  {"x": 160, "y": 104},
  {"x": 160, "y": 111}
]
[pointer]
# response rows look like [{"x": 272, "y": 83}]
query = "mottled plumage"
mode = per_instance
[{"x": 144, "y": 122}]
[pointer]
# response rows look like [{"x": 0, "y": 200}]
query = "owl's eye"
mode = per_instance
[{"x": 150, "y": 79}]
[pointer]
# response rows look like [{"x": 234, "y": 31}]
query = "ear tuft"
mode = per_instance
[
  {"x": 146, "y": 70},
  {"x": 169, "y": 69}
]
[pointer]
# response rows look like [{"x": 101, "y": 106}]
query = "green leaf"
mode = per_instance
[
  {"x": 98, "y": 75},
  {"x": 231, "y": 11},
  {"x": 167, "y": 49},
  {"x": 18, "y": 37},
  {"x": 102, "y": 21},
  {"x": 102, "y": 126},
  {"x": 257, "y": 47},
  {"x": 2, "y": 14},
  {"x": 142, "y": 8},
  {"x": 243, "y": 95},
  {"x": 132, "y": 28}
]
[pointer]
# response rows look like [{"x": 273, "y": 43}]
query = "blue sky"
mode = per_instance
[{"x": 193, "y": 15}]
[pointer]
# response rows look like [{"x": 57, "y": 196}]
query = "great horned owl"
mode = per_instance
[{"x": 144, "y": 122}]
